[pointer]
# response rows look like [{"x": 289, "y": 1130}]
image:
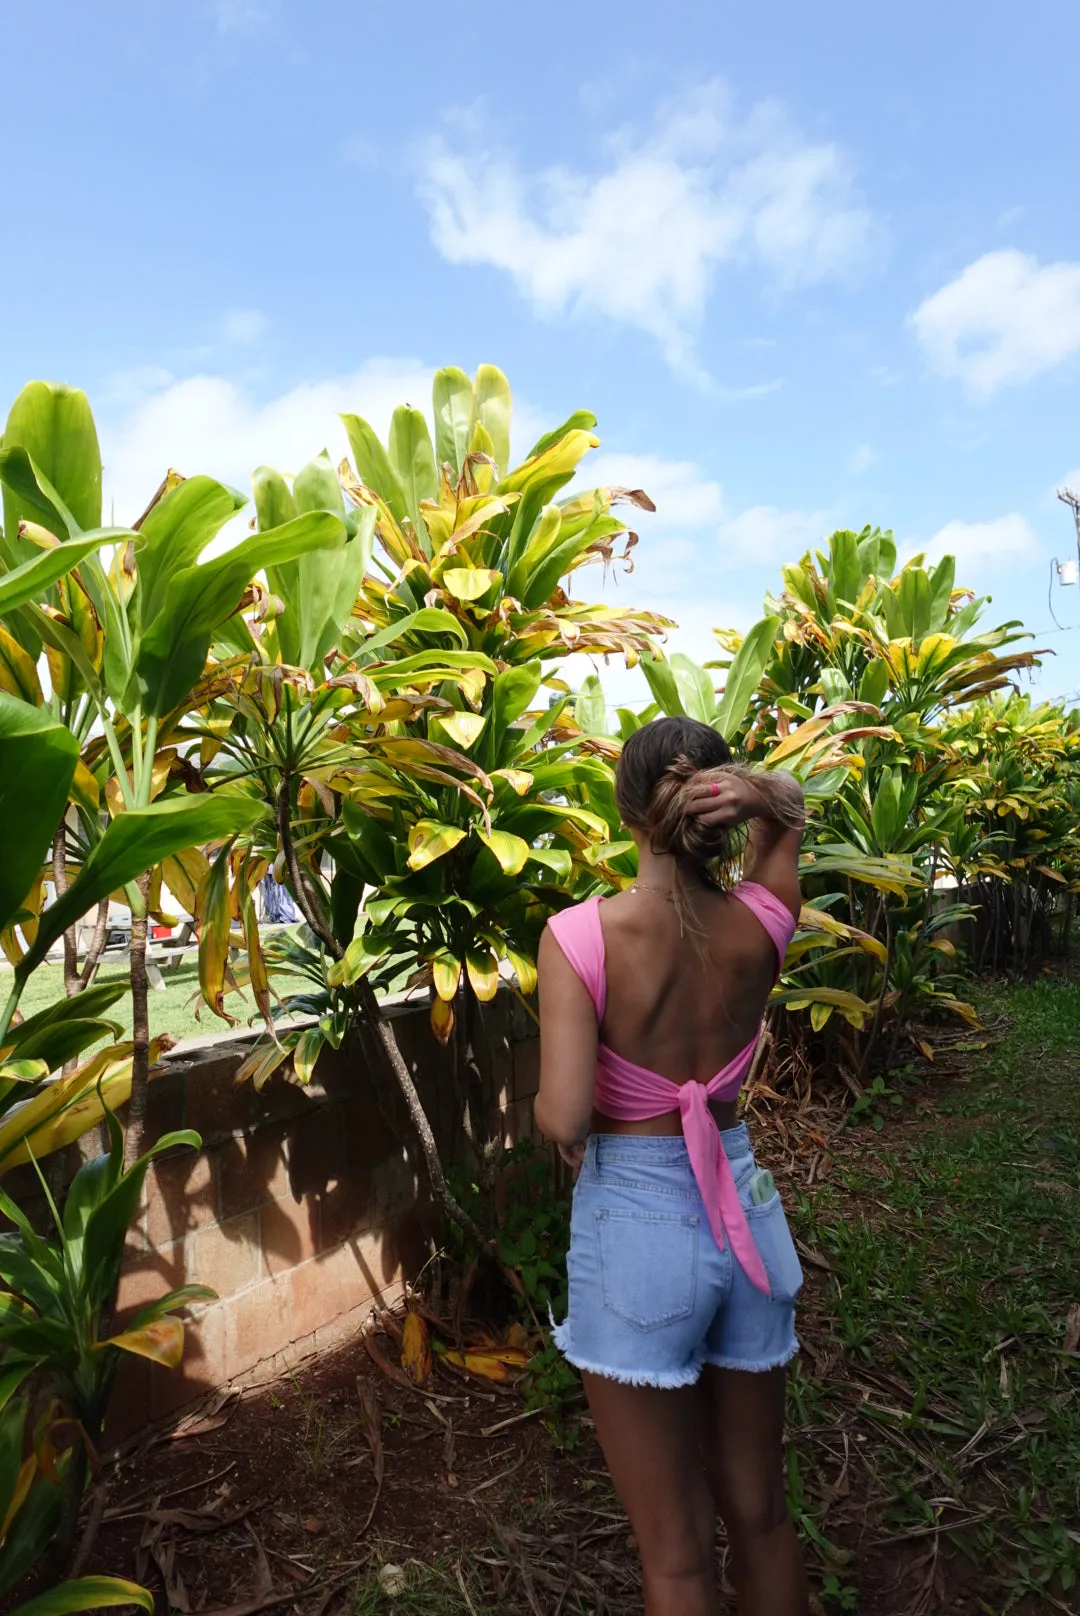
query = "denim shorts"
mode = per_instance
[{"x": 652, "y": 1296}]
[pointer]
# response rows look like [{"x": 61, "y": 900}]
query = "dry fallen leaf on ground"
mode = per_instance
[
  {"x": 416, "y": 1349},
  {"x": 1072, "y": 1328}
]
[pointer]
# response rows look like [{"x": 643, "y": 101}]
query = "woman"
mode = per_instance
[{"x": 683, "y": 1273}]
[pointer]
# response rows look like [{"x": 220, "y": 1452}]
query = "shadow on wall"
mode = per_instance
[{"x": 303, "y": 1206}]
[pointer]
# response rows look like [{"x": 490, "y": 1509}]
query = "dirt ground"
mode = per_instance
[{"x": 342, "y": 1489}]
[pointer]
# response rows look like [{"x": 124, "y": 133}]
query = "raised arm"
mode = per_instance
[
  {"x": 568, "y": 1039},
  {"x": 772, "y": 804}
]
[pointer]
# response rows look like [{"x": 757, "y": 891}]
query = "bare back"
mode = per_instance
[{"x": 679, "y": 1004}]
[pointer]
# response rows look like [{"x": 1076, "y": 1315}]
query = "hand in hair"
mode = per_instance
[
  {"x": 772, "y": 802},
  {"x": 733, "y": 795},
  {"x": 722, "y": 797}
]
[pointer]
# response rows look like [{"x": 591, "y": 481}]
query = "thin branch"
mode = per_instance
[{"x": 60, "y": 882}]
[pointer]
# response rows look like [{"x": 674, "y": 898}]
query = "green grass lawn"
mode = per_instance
[
  {"x": 940, "y": 1416},
  {"x": 171, "y": 1011}
]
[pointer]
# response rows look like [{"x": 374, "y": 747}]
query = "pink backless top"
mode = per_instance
[{"x": 630, "y": 1093}]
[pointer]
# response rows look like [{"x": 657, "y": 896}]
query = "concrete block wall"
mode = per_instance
[{"x": 302, "y": 1209}]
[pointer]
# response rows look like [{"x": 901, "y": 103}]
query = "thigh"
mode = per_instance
[
  {"x": 741, "y": 1431},
  {"x": 651, "y": 1443}
]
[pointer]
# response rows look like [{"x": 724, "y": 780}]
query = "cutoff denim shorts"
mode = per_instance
[{"x": 652, "y": 1296}]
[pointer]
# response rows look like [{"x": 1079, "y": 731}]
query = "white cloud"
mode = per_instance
[
  {"x": 682, "y": 494},
  {"x": 243, "y": 326},
  {"x": 243, "y": 16},
  {"x": 861, "y": 460},
  {"x": 641, "y": 241},
  {"x": 210, "y": 424},
  {"x": 976, "y": 545},
  {"x": 764, "y": 533},
  {"x": 1002, "y": 321}
]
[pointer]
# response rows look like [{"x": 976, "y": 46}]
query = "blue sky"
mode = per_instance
[{"x": 811, "y": 266}]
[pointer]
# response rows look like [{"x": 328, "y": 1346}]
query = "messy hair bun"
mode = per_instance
[{"x": 652, "y": 783}]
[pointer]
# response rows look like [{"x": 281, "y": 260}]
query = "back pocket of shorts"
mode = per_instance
[
  {"x": 648, "y": 1266},
  {"x": 772, "y": 1237}
]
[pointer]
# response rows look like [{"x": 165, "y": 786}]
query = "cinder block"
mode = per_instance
[{"x": 226, "y": 1256}]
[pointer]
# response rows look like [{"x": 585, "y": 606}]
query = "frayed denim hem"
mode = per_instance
[
  {"x": 660, "y": 1379},
  {"x": 756, "y": 1368}
]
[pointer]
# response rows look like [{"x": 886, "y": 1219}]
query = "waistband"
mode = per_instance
[{"x": 662, "y": 1150}]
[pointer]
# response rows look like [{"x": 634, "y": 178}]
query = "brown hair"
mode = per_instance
[{"x": 658, "y": 763}]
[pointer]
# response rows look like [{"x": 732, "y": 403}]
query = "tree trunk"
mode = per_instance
[{"x": 134, "y": 1143}]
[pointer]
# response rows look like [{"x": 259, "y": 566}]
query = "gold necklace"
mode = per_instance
[{"x": 644, "y": 886}]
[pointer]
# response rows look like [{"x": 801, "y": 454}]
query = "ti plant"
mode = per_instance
[
  {"x": 418, "y": 737},
  {"x": 57, "y": 1296},
  {"x": 104, "y": 637}
]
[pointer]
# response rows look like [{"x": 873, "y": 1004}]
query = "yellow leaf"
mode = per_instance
[
  {"x": 84, "y": 789},
  {"x": 483, "y": 969},
  {"x": 819, "y": 1015},
  {"x": 161, "y": 1342},
  {"x": 446, "y": 973},
  {"x": 416, "y": 1350},
  {"x": 18, "y": 673},
  {"x": 524, "y": 969},
  {"x": 463, "y": 728},
  {"x": 442, "y": 1019},
  {"x": 469, "y": 583},
  {"x": 429, "y": 840},
  {"x": 481, "y": 1364},
  {"x": 511, "y": 851},
  {"x": 519, "y": 780},
  {"x": 184, "y": 874}
]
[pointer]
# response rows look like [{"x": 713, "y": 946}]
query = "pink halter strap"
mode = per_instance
[{"x": 631, "y": 1093}]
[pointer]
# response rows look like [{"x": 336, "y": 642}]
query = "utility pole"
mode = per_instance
[{"x": 1069, "y": 496}]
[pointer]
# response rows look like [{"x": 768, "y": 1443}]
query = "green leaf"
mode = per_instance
[
  {"x": 590, "y": 708},
  {"x": 374, "y": 466},
  {"x": 173, "y": 536},
  {"x": 172, "y": 654},
  {"x": 513, "y": 692},
  {"x": 695, "y": 688},
  {"x": 29, "y": 1037},
  {"x": 37, "y": 765},
  {"x": 87, "y": 1593},
  {"x": 886, "y": 815},
  {"x": 31, "y": 580},
  {"x": 412, "y": 458},
  {"x": 580, "y": 421},
  {"x": 942, "y": 581},
  {"x": 306, "y": 1053},
  {"x": 491, "y": 408},
  {"x": 845, "y": 573},
  {"x": 428, "y": 620},
  {"x": 54, "y": 425},
  {"x": 318, "y": 589},
  {"x": 452, "y": 397},
  {"x": 744, "y": 676},
  {"x": 137, "y": 841},
  {"x": 664, "y": 686},
  {"x": 875, "y": 681}
]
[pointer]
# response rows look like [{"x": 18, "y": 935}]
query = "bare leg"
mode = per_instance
[
  {"x": 651, "y": 1442},
  {"x": 741, "y": 1426}
]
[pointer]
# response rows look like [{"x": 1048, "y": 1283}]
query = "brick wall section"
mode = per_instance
[{"x": 301, "y": 1210}]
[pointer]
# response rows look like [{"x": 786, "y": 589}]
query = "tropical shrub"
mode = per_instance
[{"x": 418, "y": 738}]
